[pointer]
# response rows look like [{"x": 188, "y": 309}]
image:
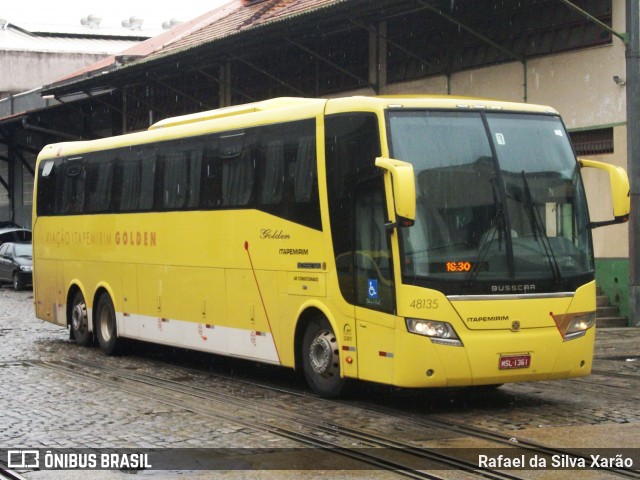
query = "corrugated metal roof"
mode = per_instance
[
  {"x": 87, "y": 31},
  {"x": 231, "y": 19},
  {"x": 16, "y": 39},
  {"x": 250, "y": 17},
  {"x": 158, "y": 43}
]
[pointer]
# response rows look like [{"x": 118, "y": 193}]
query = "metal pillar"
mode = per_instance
[
  {"x": 11, "y": 180},
  {"x": 633, "y": 152}
]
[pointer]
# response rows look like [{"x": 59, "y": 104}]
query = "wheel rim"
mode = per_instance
[
  {"x": 15, "y": 281},
  {"x": 79, "y": 318},
  {"x": 323, "y": 354},
  {"x": 105, "y": 324}
]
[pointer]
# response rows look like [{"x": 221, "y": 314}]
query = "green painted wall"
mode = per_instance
[{"x": 612, "y": 276}]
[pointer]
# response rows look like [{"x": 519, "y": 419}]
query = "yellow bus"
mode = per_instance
[{"x": 415, "y": 241}]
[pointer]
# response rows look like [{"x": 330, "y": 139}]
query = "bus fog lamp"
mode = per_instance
[{"x": 438, "y": 332}]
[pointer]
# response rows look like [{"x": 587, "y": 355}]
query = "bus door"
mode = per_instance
[{"x": 374, "y": 286}]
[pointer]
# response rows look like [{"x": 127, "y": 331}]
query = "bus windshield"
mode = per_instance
[{"x": 500, "y": 203}]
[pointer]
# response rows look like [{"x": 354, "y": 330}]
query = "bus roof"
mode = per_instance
[
  {"x": 448, "y": 102},
  {"x": 274, "y": 104},
  {"x": 356, "y": 103},
  {"x": 384, "y": 101},
  {"x": 281, "y": 110}
]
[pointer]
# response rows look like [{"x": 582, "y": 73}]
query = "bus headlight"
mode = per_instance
[
  {"x": 438, "y": 332},
  {"x": 579, "y": 324}
]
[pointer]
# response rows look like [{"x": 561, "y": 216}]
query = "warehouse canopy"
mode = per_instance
[
  {"x": 252, "y": 50},
  {"x": 259, "y": 49}
]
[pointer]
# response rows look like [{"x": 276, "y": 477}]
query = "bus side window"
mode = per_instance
[
  {"x": 174, "y": 170},
  {"x": 193, "y": 182},
  {"x": 180, "y": 167},
  {"x": 147, "y": 178},
  {"x": 287, "y": 179},
  {"x": 305, "y": 204},
  {"x": 305, "y": 173},
  {"x": 47, "y": 180},
  {"x": 73, "y": 187},
  {"x": 128, "y": 182},
  {"x": 238, "y": 172},
  {"x": 211, "y": 178},
  {"x": 272, "y": 178},
  {"x": 99, "y": 184}
]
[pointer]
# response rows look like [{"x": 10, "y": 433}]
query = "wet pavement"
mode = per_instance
[{"x": 56, "y": 395}]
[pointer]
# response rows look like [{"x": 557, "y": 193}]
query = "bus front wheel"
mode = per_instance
[
  {"x": 80, "y": 321},
  {"x": 321, "y": 359},
  {"x": 106, "y": 329}
]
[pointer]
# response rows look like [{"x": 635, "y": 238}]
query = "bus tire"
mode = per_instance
[
  {"x": 321, "y": 358},
  {"x": 105, "y": 323},
  {"x": 80, "y": 321}
]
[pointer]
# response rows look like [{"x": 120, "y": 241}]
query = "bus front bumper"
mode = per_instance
[{"x": 491, "y": 357}]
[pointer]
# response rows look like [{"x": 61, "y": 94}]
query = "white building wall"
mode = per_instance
[{"x": 22, "y": 71}]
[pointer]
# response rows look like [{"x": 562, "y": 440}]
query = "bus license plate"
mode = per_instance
[{"x": 514, "y": 361}]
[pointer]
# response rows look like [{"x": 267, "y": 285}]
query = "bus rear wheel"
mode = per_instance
[
  {"x": 80, "y": 321},
  {"x": 321, "y": 359},
  {"x": 106, "y": 329}
]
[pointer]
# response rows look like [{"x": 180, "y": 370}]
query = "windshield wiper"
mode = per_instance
[
  {"x": 538, "y": 229},
  {"x": 497, "y": 229}
]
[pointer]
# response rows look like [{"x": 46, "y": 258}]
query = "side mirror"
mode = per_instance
[
  {"x": 404, "y": 189},
  {"x": 620, "y": 191}
]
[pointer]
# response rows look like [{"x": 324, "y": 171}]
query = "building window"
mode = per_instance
[{"x": 593, "y": 142}]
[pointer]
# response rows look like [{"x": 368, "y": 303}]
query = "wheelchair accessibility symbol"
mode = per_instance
[{"x": 373, "y": 288}]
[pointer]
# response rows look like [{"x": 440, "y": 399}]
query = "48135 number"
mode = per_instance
[{"x": 424, "y": 303}]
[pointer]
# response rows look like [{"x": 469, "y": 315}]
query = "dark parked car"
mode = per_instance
[
  {"x": 14, "y": 234},
  {"x": 16, "y": 264}
]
